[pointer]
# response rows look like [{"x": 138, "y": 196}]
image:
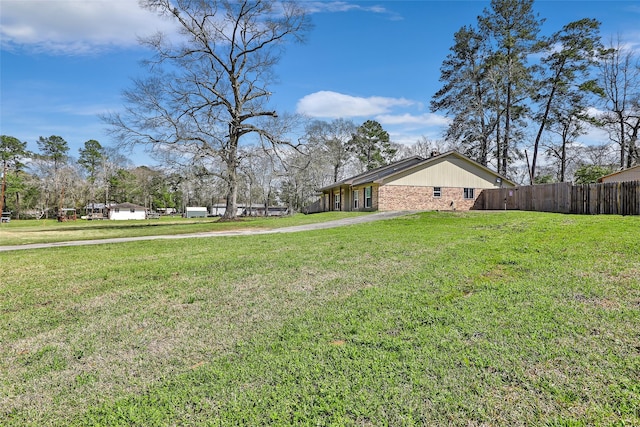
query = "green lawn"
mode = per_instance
[
  {"x": 48, "y": 231},
  {"x": 431, "y": 319}
]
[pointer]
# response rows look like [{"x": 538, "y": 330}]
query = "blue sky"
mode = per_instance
[{"x": 64, "y": 62}]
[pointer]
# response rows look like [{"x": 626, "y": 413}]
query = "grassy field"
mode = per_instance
[
  {"x": 431, "y": 319},
  {"x": 49, "y": 230}
]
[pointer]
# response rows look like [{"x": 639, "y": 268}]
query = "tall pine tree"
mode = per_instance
[
  {"x": 371, "y": 145},
  {"x": 512, "y": 28}
]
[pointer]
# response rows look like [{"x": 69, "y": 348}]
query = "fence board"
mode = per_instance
[{"x": 614, "y": 198}]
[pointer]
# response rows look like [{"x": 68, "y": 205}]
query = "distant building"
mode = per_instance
[
  {"x": 125, "y": 211},
  {"x": 630, "y": 174},
  {"x": 166, "y": 211},
  {"x": 196, "y": 212},
  {"x": 96, "y": 211}
]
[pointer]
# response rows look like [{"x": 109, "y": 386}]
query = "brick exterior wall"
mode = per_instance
[{"x": 402, "y": 197}]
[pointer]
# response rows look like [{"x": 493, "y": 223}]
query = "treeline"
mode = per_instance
[
  {"x": 515, "y": 97},
  {"x": 41, "y": 183}
]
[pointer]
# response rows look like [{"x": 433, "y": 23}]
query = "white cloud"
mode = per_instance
[
  {"x": 75, "y": 26},
  {"x": 327, "y": 104},
  {"x": 595, "y": 136},
  {"x": 413, "y": 120},
  {"x": 330, "y": 6},
  {"x": 343, "y": 6},
  {"x": 85, "y": 26},
  {"x": 404, "y": 127}
]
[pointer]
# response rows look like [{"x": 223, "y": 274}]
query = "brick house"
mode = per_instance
[{"x": 449, "y": 181}]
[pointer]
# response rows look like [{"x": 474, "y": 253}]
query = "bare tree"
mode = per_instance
[
  {"x": 112, "y": 162},
  {"x": 327, "y": 141},
  {"x": 263, "y": 173},
  {"x": 51, "y": 160},
  {"x": 599, "y": 155},
  {"x": 425, "y": 148},
  {"x": 620, "y": 80},
  {"x": 305, "y": 172},
  {"x": 210, "y": 91}
]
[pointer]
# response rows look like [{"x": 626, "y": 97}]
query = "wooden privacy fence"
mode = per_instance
[{"x": 617, "y": 198}]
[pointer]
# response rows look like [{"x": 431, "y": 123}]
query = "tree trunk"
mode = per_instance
[
  {"x": 17, "y": 205},
  {"x": 543, "y": 123},
  {"x": 498, "y": 145},
  {"x": 622, "y": 142},
  {"x": 633, "y": 148},
  {"x": 484, "y": 145},
  {"x": 507, "y": 115},
  {"x": 507, "y": 123},
  {"x": 4, "y": 186},
  {"x": 232, "y": 195},
  {"x": 231, "y": 160},
  {"x": 563, "y": 160}
]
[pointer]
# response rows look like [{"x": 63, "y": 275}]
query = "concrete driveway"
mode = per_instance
[{"x": 319, "y": 226}]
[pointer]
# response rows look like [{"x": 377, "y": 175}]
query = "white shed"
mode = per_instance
[
  {"x": 196, "y": 212},
  {"x": 127, "y": 211}
]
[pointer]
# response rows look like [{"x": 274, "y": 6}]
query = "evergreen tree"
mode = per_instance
[
  {"x": 91, "y": 158},
  {"x": 466, "y": 95},
  {"x": 512, "y": 28},
  {"x": 11, "y": 152},
  {"x": 371, "y": 145}
]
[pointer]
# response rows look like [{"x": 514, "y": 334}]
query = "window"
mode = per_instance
[
  {"x": 355, "y": 199},
  {"x": 367, "y": 197},
  {"x": 336, "y": 202},
  {"x": 468, "y": 193},
  {"x": 437, "y": 192},
  {"x": 132, "y": 210}
]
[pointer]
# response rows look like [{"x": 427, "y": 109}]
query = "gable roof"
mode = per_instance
[
  {"x": 376, "y": 173},
  {"x": 379, "y": 175}
]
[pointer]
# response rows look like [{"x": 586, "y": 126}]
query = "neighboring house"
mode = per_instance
[
  {"x": 256, "y": 209},
  {"x": 220, "y": 209},
  {"x": 630, "y": 174},
  {"x": 166, "y": 211},
  {"x": 448, "y": 181},
  {"x": 127, "y": 211},
  {"x": 96, "y": 211}
]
